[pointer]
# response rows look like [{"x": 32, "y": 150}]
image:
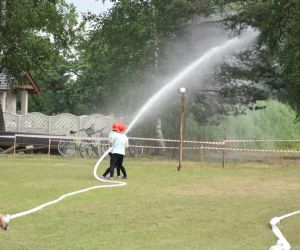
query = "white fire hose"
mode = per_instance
[
  {"x": 282, "y": 243},
  {"x": 8, "y": 218}
]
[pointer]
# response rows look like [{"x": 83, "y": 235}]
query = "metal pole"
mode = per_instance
[{"x": 181, "y": 130}]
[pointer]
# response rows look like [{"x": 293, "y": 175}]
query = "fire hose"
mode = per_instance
[{"x": 8, "y": 217}]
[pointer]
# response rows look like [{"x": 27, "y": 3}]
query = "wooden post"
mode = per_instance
[
  {"x": 181, "y": 130},
  {"x": 15, "y": 142},
  {"x": 49, "y": 148},
  {"x": 202, "y": 153},
  {"x": 224, "y": 151}
]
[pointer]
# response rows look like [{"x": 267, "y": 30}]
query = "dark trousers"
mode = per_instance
[{"x": 116, "y": 161}]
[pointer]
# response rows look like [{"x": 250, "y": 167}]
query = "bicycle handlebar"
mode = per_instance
[{"x": 89, "y": 131}]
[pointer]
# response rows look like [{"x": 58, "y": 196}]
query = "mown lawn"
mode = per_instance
[{"x": 201, "y": 207}]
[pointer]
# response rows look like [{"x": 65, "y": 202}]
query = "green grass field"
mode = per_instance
[{"x": 201, "y": 207}]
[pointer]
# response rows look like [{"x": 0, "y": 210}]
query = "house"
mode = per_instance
[{"x": 14, "y": 97}]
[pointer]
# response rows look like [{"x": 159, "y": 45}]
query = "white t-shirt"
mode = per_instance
[
  {"x": 119, "y": 144},
  {"x": 112, "y": 134}
]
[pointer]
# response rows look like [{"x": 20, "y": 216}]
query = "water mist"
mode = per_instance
[{"x": 211, "y": 58}]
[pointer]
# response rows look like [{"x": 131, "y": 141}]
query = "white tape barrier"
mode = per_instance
[
  {"x": 254, "y": 150},
  {"x": 258, "y": 140},
  {"x": 115, "y": 184},
  {"x": 60, "y": 138},
  {"x": 146, "y": 139},
  {"x": 282, "y": 243},
  {"x": 171, "y": 140},
  {"x": 7, "y": 136}
]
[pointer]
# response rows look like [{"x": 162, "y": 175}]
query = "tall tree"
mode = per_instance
[
  {"x": 278, "y": 22},
  {"x": 33, "y": 37},
  {"x": 33, "y": 33},
  {"x": 126, "y": 48}
]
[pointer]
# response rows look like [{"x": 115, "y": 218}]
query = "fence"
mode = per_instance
[{"x": 57, "y": 125}]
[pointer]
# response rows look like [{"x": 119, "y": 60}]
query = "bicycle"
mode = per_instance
[
  {"x": 98, "y": 148},
  {"x": 69, "y": 147}
]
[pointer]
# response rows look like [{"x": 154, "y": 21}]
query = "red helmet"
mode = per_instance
[
  {"x": 121, "y": 128},
  {"x": 115, "y": 126}
]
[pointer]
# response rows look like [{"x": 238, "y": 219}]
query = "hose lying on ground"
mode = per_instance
[
  {"x": 8, "y": 217},
  {"x": 282, "y": 243}
]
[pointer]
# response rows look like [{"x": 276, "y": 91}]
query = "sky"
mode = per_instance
[{"x": 93, "y": 6}]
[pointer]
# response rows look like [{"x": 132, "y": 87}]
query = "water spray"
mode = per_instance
[
  {"x": 211, "y": 57},
  {"x": 214, "y": 55}
]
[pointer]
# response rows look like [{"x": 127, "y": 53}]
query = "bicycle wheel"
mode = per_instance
[
  {"x": 97, "y": 149},
  {"x": 66, "y": 148},
  {"x": 136, "y": 152},
  {"x": 85, "y": 149}
]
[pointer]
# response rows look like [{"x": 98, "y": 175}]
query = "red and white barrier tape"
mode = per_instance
[
  {"x": 254, "y": 150},
  {"x": 147, "y": 139},
  {"x": 267, "y": 140},
  {"x": 61, "y": 138},
  {"x": 171, "y": 140},
  {"x": 225, "y": 148}
]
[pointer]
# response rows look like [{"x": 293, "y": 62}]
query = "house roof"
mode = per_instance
[{"x": 29, "y": 85}]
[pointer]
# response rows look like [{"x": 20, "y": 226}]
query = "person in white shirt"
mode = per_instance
[{"x": 119, "y": 142}]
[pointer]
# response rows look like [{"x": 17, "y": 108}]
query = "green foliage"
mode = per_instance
[
  {"x": 128, "y": 41},
  {"x": 33, "y": 34},
  {"x": 57, "y": 88},
  {"x": 135, "y": 37},
  {"x": 275, "y": 121},
  {"x": 38, "y": 36},
  {"x": 279, "y": 24}
]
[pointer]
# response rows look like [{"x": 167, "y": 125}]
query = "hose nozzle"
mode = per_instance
[{"x": 5, "y": 225}]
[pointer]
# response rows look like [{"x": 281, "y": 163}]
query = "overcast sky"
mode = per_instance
[{"x": 93, "y": 6}]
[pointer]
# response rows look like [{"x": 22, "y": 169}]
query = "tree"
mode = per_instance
[
  {"x": 127, "y": 42},
  {"x": 278, "y": 22},
  {"x": 33, "y": 35}
]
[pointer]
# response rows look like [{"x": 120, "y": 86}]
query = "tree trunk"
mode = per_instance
[
  {"x": 3, "y": 23},
  {"x": 196, "y": 15},
  {"x": 195, "y": 18},
  {"x": 159, "y": 135}
]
